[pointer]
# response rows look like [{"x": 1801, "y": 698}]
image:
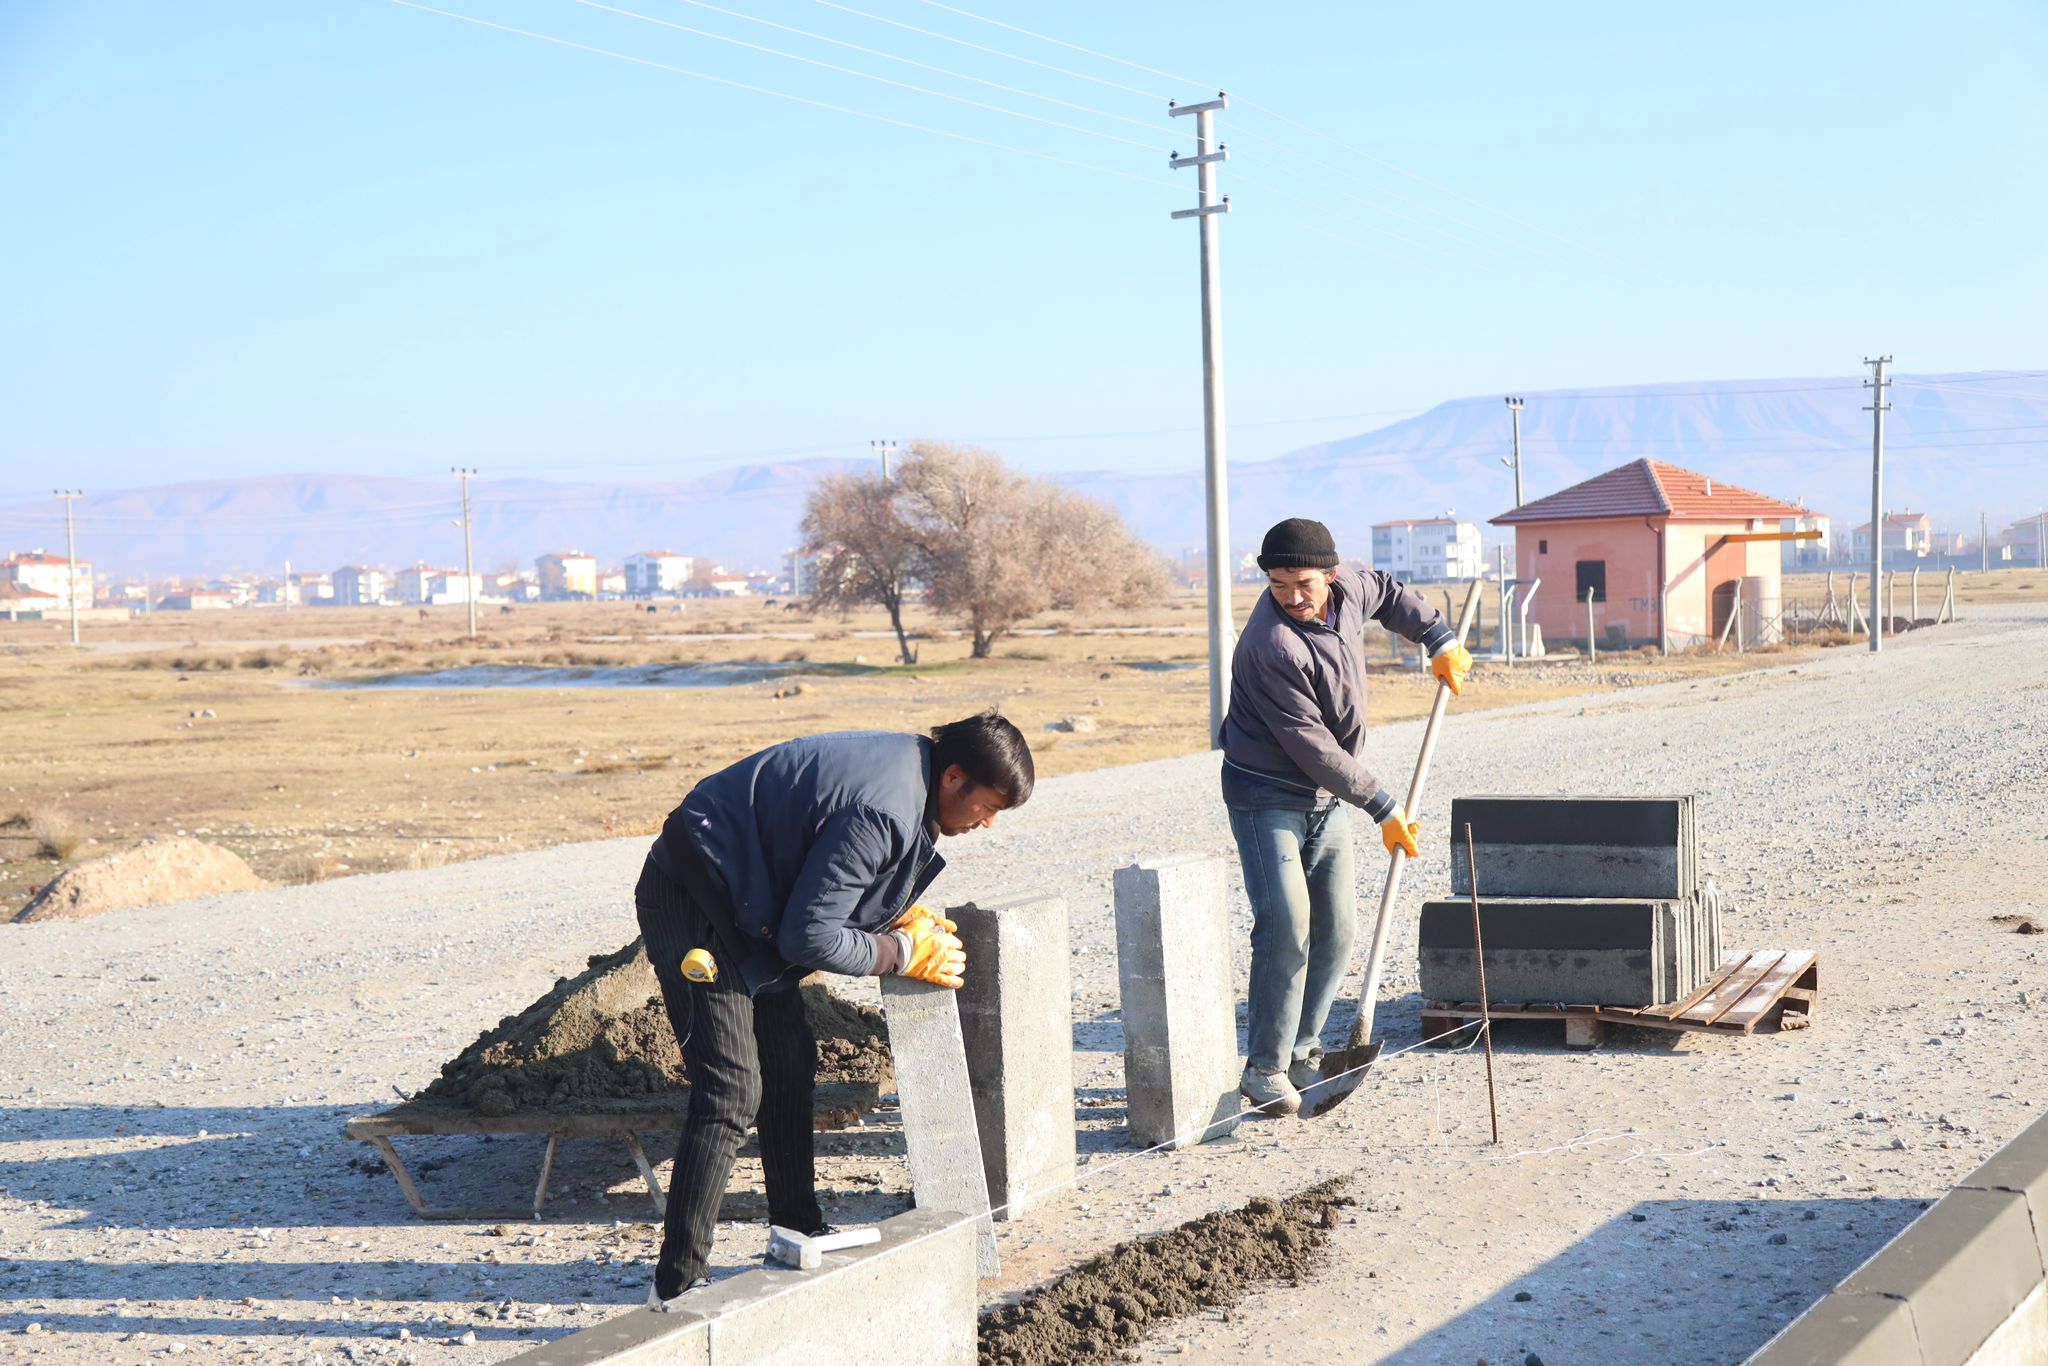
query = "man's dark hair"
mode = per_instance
[{"x": 990, "y": 751}]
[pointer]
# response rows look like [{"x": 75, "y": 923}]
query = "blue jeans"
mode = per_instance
[{"x": 1297, "y": 872}]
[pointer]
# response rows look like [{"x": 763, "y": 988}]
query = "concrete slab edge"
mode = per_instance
[
  {"x": 922, "y": 1271},
  {"x": 1990, "y": 1231}
]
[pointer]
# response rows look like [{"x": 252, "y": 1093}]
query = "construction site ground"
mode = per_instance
[{"x": 174, "y": 1080}]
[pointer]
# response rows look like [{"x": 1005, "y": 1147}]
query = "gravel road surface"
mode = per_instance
[{"x": 173, "y": 1081}]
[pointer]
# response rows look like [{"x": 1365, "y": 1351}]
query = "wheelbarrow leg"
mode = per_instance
[
  {"x": 547, "y": 1169},
  {"x": 654, "y": 1191}
]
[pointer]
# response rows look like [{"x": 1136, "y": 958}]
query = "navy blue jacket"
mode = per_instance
[{"x": 818, "y": 845}]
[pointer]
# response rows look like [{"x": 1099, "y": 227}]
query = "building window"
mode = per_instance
[
  {"x": 1593, "y": 575},
  {"x": 1543, "y": 547}
]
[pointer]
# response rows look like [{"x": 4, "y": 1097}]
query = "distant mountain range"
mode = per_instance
[{"x": 1956, "y": 444}]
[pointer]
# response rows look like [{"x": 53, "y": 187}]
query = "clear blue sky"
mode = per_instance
[{"x": 344, "y": 234}]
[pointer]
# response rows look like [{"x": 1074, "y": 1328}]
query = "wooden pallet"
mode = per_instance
[
  {"x": 1748, "y": 989},
  {"x": 837, "y": 1107}
]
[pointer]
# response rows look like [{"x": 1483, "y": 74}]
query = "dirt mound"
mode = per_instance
[
  {"x": 603, "y": 1035},
  {"x": 172, "y": 869},
  {"x": 1102, "y": 1307}
]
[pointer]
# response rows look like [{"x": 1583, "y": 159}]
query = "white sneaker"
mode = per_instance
[
  {"x": 1270, "y": 1093},
  {"x": 675, "y": 1305}
]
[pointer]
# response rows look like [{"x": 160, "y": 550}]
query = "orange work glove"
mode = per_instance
[
  {"x": 1398, "y": 832},
  {"x": 920, "y": 911},
  {"x": 1450, "y": 668},
  {"x": 935, "y": 954}
]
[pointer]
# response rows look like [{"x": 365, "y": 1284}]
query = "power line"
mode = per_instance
[
  {"x": 866, "y": 75},
  {"x": 785, "y": 95},
  {"x": 1425, "y": 180},
  {"x": 993, "y": 52},
  {"x": 1276, "y": 114},
  {"x": 1071, "y": 47},
  {"x": 924, "y": 66}
]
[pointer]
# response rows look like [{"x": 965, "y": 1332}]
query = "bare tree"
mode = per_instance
[
  {"x": 866, "y": 551},
  {"x": 997, "y": 548}
]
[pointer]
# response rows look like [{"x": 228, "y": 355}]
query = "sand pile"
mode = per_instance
[
  {"x": 1101, "y": 1308},
  {"x": 156, "y": 870},
  {"x": 603, "y": 1035}
]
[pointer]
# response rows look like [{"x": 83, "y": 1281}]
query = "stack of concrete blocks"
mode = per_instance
[
  {"x": 1965, "y": 1283},
  {"x": 909, "y": 1297},
  {"x": 937, "y": 1100},
  {"x": 1016, "y": 1017},
  {"x": 1179, "y": 1009},
  {"x": 1583, "y": 901}
]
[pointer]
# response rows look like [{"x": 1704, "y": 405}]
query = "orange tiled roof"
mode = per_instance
[{"x": 1650, "y": 488}]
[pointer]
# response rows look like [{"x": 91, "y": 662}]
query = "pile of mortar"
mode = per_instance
[{"x": 603, "y": 1035}]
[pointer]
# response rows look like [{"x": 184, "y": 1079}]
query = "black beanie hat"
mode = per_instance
[{"x": 1298, "y": 543}]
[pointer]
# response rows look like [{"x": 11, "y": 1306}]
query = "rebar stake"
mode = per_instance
[{"x": 1479, "y": 961}]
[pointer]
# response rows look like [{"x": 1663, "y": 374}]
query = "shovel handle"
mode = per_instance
[{"x": 1361, "y": 1024}]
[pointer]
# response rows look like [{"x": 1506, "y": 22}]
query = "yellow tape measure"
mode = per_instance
[{"x": 700, "y": 966}]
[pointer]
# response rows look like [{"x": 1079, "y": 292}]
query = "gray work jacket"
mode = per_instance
[{"x": 1297, "y": 694}]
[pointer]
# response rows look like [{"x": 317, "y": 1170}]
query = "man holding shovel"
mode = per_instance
[
  {"x": 806, "y": 857},
  {"x": 1290, "y": 765}
]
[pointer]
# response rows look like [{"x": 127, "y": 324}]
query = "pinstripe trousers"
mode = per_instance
[{"x": 750, "y": 1059}]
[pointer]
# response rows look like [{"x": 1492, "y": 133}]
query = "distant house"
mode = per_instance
[
  {"x": 20, "y": 603},
  {"x": 1808, "y": 554},
  {"x": 800, "y": 571},
  {"x": 721, "y": 586},
  {"x": 611, "y": 583},
  {"x": 428, "y": 587},
  {"x": 658, "y": 573},
  {"x": 1907, "y": 536},
  {"x": 1659, "y": 548},
  {"x": 1428, "y": 550},
  {"x": 52, "y": 574},
  {"x": 567, "y": 574},
  {"x": 2020, "y": 545},
  {"x": 355, "y": 586},
  {"x": 196, "y": 600}
]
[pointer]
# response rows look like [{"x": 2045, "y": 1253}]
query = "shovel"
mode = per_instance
[{"x": 1344, "y": 1069}]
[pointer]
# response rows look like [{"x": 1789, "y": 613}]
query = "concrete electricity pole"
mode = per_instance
[
  {"x": 469, "y": 584},
  {"x": 1207, "y": 206},
  {"x": 884, "y": 449},
  {"x": 1877, "y": 409},
  {"x": 1983, "y": 543},
  {"x": 70, "y": 496},
  {"x": 1515, "y": 460}
]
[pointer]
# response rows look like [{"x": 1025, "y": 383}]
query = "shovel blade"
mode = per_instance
[{"x": 1343, "y": 1071}]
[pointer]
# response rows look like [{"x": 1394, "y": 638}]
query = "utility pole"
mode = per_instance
[
  {"x": 285, "y": 597},
  {"x": 1208, "y": 152},
  {"x": 1515, "y": 460},
  {"x": 884, "y": 449},
  {"x": 1877, "y": 408},
  {"x": 1983, "y": 543},
  {"x": 469, "y": 584},
  {"x": 70, "y": 496}
]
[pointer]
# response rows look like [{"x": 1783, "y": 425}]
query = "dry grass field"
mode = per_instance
[{"x": 253, "y": 729}]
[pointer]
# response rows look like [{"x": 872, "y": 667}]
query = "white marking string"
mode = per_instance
[
  {"x": 1195, "y": 1134},
  {"x": 1595, "y": 1138}
]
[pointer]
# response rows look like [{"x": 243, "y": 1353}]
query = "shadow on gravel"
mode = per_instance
[
  {"x": 1761, "y": 1262},
  {"x": 192, "y": 1167}
]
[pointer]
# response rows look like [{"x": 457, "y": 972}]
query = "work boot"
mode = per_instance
[
  {"x": 1306, "y": 1072},
  {"x": 674, "y": 1305},
  {"x": 1270, "y": 1093}
]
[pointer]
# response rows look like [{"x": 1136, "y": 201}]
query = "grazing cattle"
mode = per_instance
[
  {"x": 504, "y": 609},
  {"x": 423, "y": 614},
  {"x": 651, "y": 609}
]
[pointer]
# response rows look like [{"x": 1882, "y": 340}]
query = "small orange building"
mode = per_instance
[{"x": 1660, "y": 548}]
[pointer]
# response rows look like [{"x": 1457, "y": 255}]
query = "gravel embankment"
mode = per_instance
[{"x": 173, "y": 1080}]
